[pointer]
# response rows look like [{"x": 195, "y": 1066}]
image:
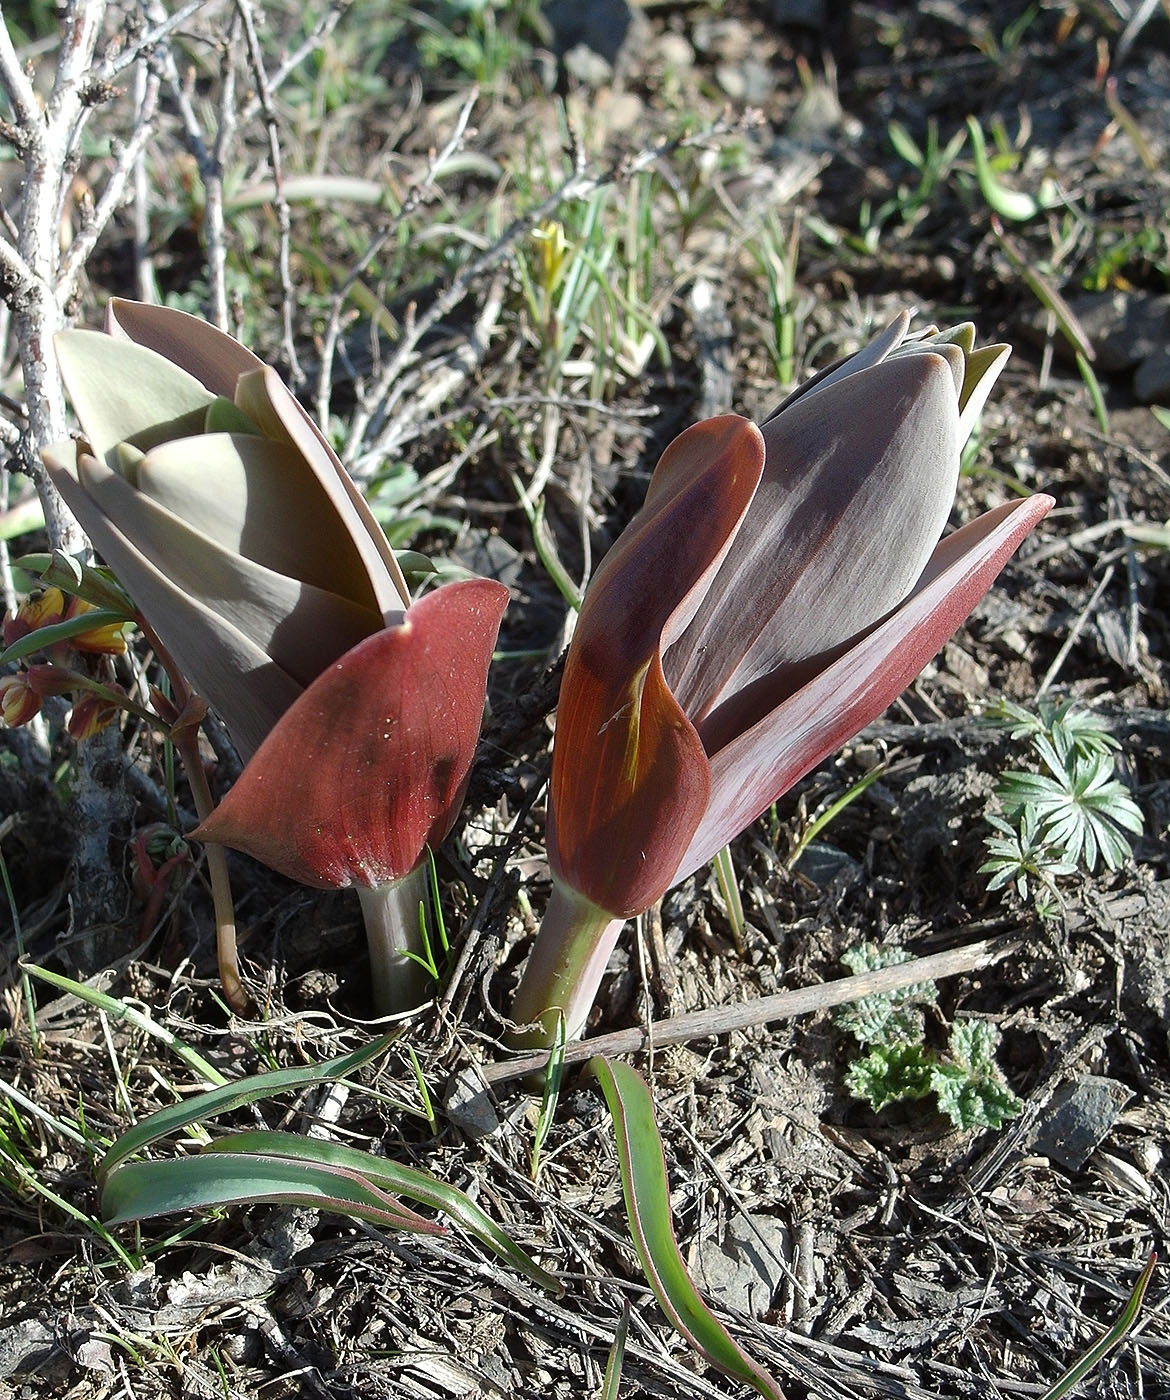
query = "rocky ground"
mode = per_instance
[{"x": 855, "y": 1253}]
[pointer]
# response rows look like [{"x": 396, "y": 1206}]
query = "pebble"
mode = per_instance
[
  {"x": 741, "y": 1271},
  {"x": 1078, "y": 1118}
]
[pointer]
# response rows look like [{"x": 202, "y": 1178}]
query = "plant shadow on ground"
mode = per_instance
[{"x": 857, "y": 1254}]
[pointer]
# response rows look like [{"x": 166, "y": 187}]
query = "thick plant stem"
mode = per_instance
[
  {"x": 391, "y": 914},
  {"x": 564, "y": 968}
]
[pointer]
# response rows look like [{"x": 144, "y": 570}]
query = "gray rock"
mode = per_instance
[
  {"x": 469, "y": 1106},
  {"x": 612, "y": 30},
  {"x": 743, "y": 1270},
  {"x": 25, "y": 1344},
  {"x": 675, "y": 53},
  {"x": 587, "y": 67},
  {"x": 826, "y": 865},
  {"x": 728, "y": 40},
  {"x": 1151, "y": 380},
  {"x": 809, "y": 13},
  {"x": 1124, "y": 328},
  {"x": 749, "y": 82},
  {"x": 1078, "y": 1118}
]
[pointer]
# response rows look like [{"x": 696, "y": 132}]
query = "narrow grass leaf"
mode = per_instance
[
  {"x": 417, "y": 1185},
  {"x": 1120, "y": 1329},
  {"x": 647, "y": 1192},
  {"x": 834, "y": 809},
  {"x": 119, "y": 1009},
  {"x": 617, "y": 1354},
  {"x": 232, "y": 1096},
  {"x": 42, "y": 637},
  {"x": 724, "y": 864},
  {"x": 140, "y": 1190},
  {"x": 554, "y": 1072}
]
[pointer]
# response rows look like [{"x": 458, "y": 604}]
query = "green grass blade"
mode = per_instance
[
  {"x": 42, "y": 637},
  {"x": 231, "y": 1096},
  {"x": 118, "y": 1009},
  {"x": 647, "y": 1193},
  {"x": 617, "y": 1353},
  {"x": 554, "y": 1072},
  {"x": 833, "y": 810},
  {"x": 141, "y": 1190},
  {"x": 1120, "y": 1329},
  {"x": 417, "y": 1185},
  {"x": 729, "y": 888}
]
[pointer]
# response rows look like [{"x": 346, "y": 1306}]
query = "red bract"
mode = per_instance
[
  {"x": 779, "y": 588},
  {"x": 373, "y": 759}
]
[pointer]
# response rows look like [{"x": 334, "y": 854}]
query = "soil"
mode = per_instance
[{"x": 887, "y": 1254}]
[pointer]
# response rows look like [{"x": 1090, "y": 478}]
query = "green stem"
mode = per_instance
[
  {"x": 564, "y": 969},
  {"x": 391, "y": 913}
]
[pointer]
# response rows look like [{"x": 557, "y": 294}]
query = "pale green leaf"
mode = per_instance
[
  {"x": 418, "y": 1185},
  {"x": 647, "y": 1195},
  {"x": 231, "y": 1096},
  {"x": 122, "y": 392},
  {"x": 141, "y": 1190}
]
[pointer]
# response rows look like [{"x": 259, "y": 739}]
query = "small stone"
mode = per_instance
[
  {"x": 675, "y": 53},
  {"x": 826, "y": 865},
  {"x": 1078, "y": 1118},
  {"x": 1124, "y": 328},
  {"x": 612, "y": 30},
  {"x": 726, "y": 39},
  {"x": 749, "y": 82},
  {"x": 745, "y": 1268},
  {"x": 469, "y": 1106},
  {"x": 587, "y": 67},
  {"x": 808, "y": 13},
  {"x": 1151, "y": 380}
]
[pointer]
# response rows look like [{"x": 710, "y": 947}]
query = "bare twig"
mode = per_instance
[
  {"x": 782, "y": 1006},
  {"x": 283, "y": 214}
]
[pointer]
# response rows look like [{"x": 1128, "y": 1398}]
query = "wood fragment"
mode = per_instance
[{"x": 760, "y": 1011}]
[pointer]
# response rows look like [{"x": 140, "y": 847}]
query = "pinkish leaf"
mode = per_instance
[
  {"x": 370, "y": 765},
  {"x": 629, "y": 779},
  {"x": 856, "y": 688},
  {"x": 813, "y": 563},
  {"x": 215, "y": 359}
]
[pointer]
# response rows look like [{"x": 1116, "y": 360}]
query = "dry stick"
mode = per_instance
[
  {"x": 760, "y": 1011},
  {"x": 185, "y": 737},
  {"x": 283, "y": 213},
  {"x": 213, "y": 207},
  {"x": 578, "y": 185},
  {"x": 1074, "y": 633},
  {"x": 410, "y": 203}
]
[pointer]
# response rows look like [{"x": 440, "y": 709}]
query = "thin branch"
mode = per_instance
[
  {"x": 760, "y": 1011},
  {"x": 283, "y": 214},
  {"x": 127, "y": 158},
  {"x": 15, "y": 82},
  {"x": 117, "y": 63},
  {"x": 577, "y": 185},
  {"x": 414, "y": 198},
  {"x": 312, "y": 41},
  {"x": 213, "y": 217},
  {"x": 16, "y": 267}
]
